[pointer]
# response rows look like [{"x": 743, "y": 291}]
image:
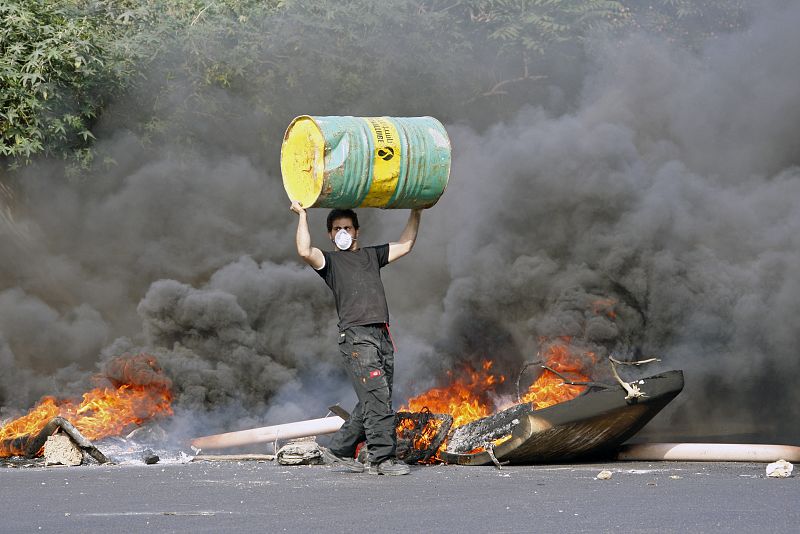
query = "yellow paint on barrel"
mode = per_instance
[
  {"x": 302, "y": 161},
  {"x": 385, "y": 162},
  {"x": 349, "y": 162}
]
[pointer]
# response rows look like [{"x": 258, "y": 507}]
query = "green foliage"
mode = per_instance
[
  {"x": 235, "y": 71},
  {"x": 689, "y": 21},
  {"x": 523, "y": 33},
  {"x": 359, "y": 57},
  {"x": 262, "y": 63},
  {"x": 54, "y": 77},
  {"x": 63, "y": 61},
  {"x": 534, "y": 25}
]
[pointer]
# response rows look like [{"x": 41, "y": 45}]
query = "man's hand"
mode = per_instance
[{"x": 297, "y": 207}]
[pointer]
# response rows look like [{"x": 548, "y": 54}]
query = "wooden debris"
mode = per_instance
[
  {"x": 232, "y": 457},
  {"x": 59, "y": 423}
]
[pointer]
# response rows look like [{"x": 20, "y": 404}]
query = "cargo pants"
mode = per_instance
[{"x": 368, "y": 355}]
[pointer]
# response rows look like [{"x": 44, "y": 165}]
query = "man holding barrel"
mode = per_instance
[{"x": 365, "y": 344}]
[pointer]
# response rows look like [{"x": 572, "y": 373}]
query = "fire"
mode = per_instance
[
  {"x": 469, "y": 395},
  {"x": 103, "y": 411},
  {"x": 605, "y": 307},
  {"x": 549, "y": 388},
  {"x": 466, "y": 398},
  {"x": 421, "y": 438}
]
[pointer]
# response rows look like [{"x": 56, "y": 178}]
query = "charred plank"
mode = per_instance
[
  {"x": 420, "y": 434},
  {"x": 592, "y": 425}
]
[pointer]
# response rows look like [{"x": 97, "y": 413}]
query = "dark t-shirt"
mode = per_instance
[{"x": 355, "y": 279}]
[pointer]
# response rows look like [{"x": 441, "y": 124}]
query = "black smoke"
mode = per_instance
[{"x": 668, "y": 186}]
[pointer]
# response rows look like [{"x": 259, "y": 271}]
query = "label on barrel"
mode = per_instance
[{"x": 385, "y": 162}]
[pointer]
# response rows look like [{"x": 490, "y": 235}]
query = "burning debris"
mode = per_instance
[
  {"x": 421, "y": 434},
  {"x": 470, "y": 421},
  {"x": 473, "y": 393},
  {"x": 132, "y": 390},
  {"x": 561, "y": 416},
  {"x": 474, "y": 419},
  {"x": 594, "y": 424},
  {"x": 61, "y": 424},
  {"x": 485, "y": 418}
]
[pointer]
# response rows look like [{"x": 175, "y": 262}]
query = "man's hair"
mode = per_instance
[{"x": 342, "y": 214}]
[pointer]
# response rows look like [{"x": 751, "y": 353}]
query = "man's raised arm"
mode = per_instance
[
  {"x": 311, "y": 255},
  {"x": 407, "y": 238}
]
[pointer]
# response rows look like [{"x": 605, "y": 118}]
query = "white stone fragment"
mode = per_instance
[
  {"x": 604, "y": 475},
  {"x": 300, "y": 452},
  {"x": 780, "y": 469},
  {"x": 60, "y": 449}
]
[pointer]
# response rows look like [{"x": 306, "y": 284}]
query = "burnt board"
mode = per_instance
[{"x": 592, "y": 425}]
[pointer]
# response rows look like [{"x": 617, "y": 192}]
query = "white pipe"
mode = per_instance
[
  {"x": 709, "y": 452},
  {"x": 267, "y": 434}
]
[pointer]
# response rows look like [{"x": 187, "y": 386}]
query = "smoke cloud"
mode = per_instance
[{"x": 654, "y": 216}]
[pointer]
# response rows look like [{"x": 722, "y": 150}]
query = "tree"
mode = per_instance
[
  {"x": 56, "y": 73},
  {"x": 245, "y": 67},
  {"x": 689, "y": 21}
]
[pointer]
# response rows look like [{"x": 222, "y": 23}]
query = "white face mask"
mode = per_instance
[{"x": 343, "y": 239}]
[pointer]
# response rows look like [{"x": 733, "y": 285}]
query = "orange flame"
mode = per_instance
[
  {"x": 606, "y": 307},
  {"x": 421, "y": 439},
  {"x": 467, "y": 398},
  {"x": 549, "y": 388},
  {"x": 103, "y": 411}
]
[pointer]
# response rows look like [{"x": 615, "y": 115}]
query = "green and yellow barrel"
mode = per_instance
[{"x": 376, "y": 162}]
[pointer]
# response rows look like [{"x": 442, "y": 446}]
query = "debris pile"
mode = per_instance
[
  {"x": 300, "y": 452},
  {"x": 60, "y": 426},
  {"x": 780, "y": 469}
]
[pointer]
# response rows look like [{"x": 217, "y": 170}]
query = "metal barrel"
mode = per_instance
[{"x": 377, "y": 162}]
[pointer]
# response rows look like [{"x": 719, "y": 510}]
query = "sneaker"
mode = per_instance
[
  {"x": 348, "y": 463},
  {"x": 389, "y": 466}
]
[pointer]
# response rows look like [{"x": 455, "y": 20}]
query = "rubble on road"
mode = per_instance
[
  {"x": 59, "y": 449},
  {"x": 301, "y": 452},
  {"x": 60, "y": 425},
  {"x": 149, "y": 457},
  {"x": 780, "y": 469}
]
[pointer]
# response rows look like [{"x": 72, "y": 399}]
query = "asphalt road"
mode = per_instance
[{"x": 266, "y": 497}]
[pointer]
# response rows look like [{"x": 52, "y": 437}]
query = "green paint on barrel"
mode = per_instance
[{"x": 349, "y": 162}]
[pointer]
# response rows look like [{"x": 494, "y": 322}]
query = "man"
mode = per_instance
[{"x": 365, "y": 345}]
